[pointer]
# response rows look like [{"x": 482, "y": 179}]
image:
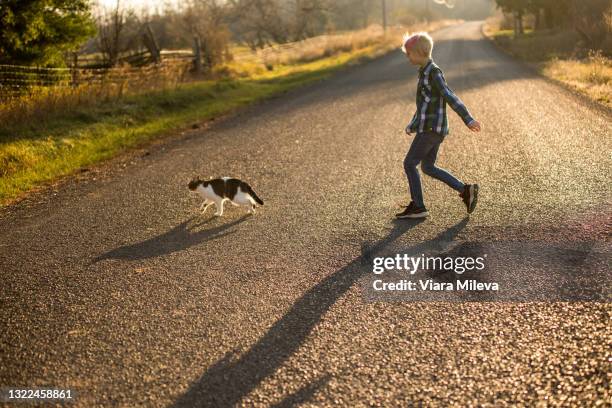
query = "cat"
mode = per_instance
[{"x": 216, "y": 191}]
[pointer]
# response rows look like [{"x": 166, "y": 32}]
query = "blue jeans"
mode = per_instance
[{"x": 424, "y": 150}]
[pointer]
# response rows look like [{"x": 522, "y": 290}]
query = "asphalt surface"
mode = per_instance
[{"x": 113, "y": 285}]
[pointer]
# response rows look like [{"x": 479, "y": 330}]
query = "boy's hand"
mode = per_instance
[{"x": 474, "y": 126}]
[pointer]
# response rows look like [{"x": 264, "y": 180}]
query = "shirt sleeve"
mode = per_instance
[
  {"x": 412, "y": 123},
  {"x": 449, "y": 96}
]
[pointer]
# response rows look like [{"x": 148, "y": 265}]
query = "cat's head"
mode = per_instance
[{"x": 193, "y": 184}]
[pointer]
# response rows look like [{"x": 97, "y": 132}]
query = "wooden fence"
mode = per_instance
[{"x": 17, "y": 81}]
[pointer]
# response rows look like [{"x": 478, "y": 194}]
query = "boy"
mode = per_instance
[{"x": 431, "y": 126}]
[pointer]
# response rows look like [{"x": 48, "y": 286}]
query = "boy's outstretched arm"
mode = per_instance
[{"x": 454, "y": 102}]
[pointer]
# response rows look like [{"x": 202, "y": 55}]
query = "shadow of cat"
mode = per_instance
[{"x": 176, "y": 239}]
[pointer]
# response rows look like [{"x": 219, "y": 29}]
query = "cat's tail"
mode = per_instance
[{"x": 252, "y": 193}]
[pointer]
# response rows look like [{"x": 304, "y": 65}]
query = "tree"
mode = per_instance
[
  {"x": 517, "y": 8},
  {"x": 39, "y": 32},
  {"x": 555, "y": 13},
  {"x": 205, "y": 20},
  {"x": 309, "y": 18},
  {"x": 591, "y": 20},
  {"x": 118, "y": 30},
  {"x": 354, "y": 14},
  {"x": 259, "y": 23}
]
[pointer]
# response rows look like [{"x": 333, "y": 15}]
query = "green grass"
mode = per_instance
[{"x": 43, "y": 150}]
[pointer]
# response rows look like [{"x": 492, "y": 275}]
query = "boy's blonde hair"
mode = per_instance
[{"x": 421, "y": 42}]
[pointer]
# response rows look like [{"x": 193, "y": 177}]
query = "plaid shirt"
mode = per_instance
[{"x": 431, "y": 98}]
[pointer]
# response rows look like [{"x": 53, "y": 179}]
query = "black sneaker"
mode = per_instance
[
  {"x": 470, "y": 197},
  {"x": 412, "y": 211}
]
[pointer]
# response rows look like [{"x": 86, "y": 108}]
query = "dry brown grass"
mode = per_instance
[
  {"x": 556, "y": 55},
  {"x": 591, "y": 76},
  {"x": 327, "y": 45},
  {"x": 94, "y": 86}
]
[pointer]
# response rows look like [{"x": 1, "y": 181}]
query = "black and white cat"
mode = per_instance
[{"x": 216, "y": 191}]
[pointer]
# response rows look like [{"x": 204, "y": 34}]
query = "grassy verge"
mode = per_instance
[
  {"x": 555, "y": 55},
  {"x": 43, "y": 148}
]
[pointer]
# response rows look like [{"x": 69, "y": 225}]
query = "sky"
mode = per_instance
[{"x": 138, "y": 4}]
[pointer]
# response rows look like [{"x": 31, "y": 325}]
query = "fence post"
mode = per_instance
[
  {"x": 151, "y": 44},
  {"x": 75, "y": 69},
  {"x": 384, "y": 15},
  {"x": 197, "y": 54}
]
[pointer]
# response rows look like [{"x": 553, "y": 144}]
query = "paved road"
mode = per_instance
[{"x": 114, "y": 285}]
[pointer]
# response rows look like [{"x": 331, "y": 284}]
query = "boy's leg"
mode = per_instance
[
  {"x": 429, "y": 167},
  {"x": 420, "y": 147},
  {"x": 468, "y": 192}
]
